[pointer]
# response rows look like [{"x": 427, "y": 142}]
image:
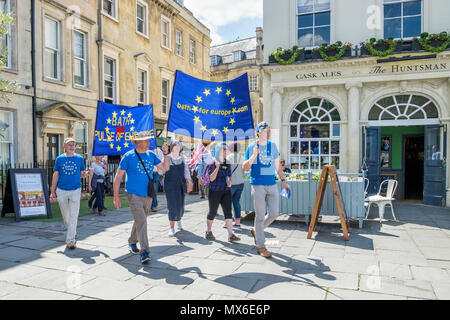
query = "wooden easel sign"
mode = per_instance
[
  {"x": 26, "y": 194},
  {"x": 331, "y": 171}
]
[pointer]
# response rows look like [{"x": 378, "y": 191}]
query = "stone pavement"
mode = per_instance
[{"x": 408, "y": 259}]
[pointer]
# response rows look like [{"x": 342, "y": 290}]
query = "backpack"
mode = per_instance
[{"x": 206, "y": 180}]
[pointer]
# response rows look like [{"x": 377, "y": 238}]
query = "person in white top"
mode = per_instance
[
  {"x": 157, "y": 173},
  {"x": 237, "y": 178},
  {"x": 97, "y": 173}
]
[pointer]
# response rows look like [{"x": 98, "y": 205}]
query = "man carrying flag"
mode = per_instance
[{"x": 138, "y": 165}]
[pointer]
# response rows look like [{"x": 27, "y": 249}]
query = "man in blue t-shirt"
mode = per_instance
[
  {"x": 263, "y": 160},
  {"x": 66, "y": 188},
  {"x": 136, "y": 185}
]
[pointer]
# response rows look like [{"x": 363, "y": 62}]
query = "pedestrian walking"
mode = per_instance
[
  {"x": 263, "y": 160},
  {"x": 138, "y": 165},
  {"x": 66, "y": 188},
  {"x": 175, "y": 180},
  {"x": 97, "y": 174},
  {"x": 237, "y": 177},
  {"x": 157, "y": 176},
  {"x": 201, "y": 170},
  {"x": 219, "y": 192}
]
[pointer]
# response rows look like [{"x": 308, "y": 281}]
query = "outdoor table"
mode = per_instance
[{"x": 303, "y": 197}]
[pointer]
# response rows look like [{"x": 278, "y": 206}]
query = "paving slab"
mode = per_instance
[
  {"x": 409, "y": 288},
  {"x": 224, "y": 285},
  {"x": 34, "y": 243},
  {"x": 164, "y": 293},
  {"x": 442, "y": 290},
  {"x": 176, "y": 279},
  {"x": 342, "y": 294},
  {"x": 108, "y": 289},
  {"x": 394, "y": 270},
  {"x": 30, "y": 293},
  {"x": 430, "y": 274},
  {"x": 286, "y": 291},
  {"x": 15, "y": 254}
]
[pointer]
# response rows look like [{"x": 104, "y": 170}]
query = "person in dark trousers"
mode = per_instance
[
  {"x": 237, "y": 176},
  {"x": 219, "y": 192},
  {"x": 97, "y": 174},
  {"x": 174, "y": 181}
]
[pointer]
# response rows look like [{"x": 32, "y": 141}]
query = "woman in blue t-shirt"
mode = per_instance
[{"x": 220, "y": 192}]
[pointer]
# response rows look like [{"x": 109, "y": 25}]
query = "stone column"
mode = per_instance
[
  {"x": 275, "y": 121},
  {"x": 353, "y": 132}
]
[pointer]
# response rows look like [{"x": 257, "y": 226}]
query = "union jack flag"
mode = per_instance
[{"x": 197, "y": 156}]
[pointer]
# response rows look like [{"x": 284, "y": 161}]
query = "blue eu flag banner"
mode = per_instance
[
  {"x": 116, "y": 125},
  {"x": 211, "y": 110}
]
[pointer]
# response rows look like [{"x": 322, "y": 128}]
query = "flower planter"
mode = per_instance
[
  {"x": 415, "y": 46},
  {"x": 316, "y": 54},
  {"x": 364, "y": 51},
  {"x": 348, "y": 52},
  {"x": 303, "y": 197},
  {"x": 300, "y": 57},
  {"x": 272, "y": 59}
]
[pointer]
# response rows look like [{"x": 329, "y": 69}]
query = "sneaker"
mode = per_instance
[
  {"x": 238, "y": 226},
  {"x": 202, "y": 197},
  {"x": 253, "y": 234},
  {"x": 233, "y": 238},
  {"x": 102, "y": 213},
  {"x": 145, "y": 257},
  {"x": 264, "y": 252},
  {"x": 95, "y": 211},
  {"x": 133, "y": 248},
  {"x": 154, "y": 209},
  {"x": 179, "y": 226},
  {"x": 209, "y": 236},
  {"x": 71, "y": 245},
  {"x": 171, "y": 232}
]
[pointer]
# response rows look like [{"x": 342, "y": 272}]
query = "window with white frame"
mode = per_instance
[
  {"x": 253, "y": 83},
  {"x": 80, "y": 64},
  {"x": 314, "y": 135},
  {"x": 52, "y": 51},
  {"x": 109, "y": 79},
  {"x": 142, "y": 87},
  {"x": 110, "y": 8},
  {"x": 6, "y": 137},
  {"x": 164, "y": 96},
  {"x": 81, "y": 138},
  {"x": 165, "y": 32},
  {"x": 179, "y": 42},
  {"x": 313, "y": 22},
  {"x": 141, "y": 18},
  {"x": 402, "y": 18},
  {"x": 192, "y": 51},
  {"x": 5, "y": 41}
]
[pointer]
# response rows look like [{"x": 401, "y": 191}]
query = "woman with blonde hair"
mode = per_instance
[{"x": 97, "y": 173}]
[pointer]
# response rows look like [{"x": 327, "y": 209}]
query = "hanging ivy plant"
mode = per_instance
[
  {"x": 294, "y": 52},
  {"x": 337, "y": 47},
  {"x": 389, "y": 43},
  {"x": 427, "y": 39}
]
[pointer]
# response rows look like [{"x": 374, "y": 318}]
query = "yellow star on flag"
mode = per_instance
[
  {"x": 228, "y": 93},
  {"x": 107, "y": 130},
  {"x": 219, "y": 90},
  {"x": 225, "y": 129},
  {"x": 232, "y": 121},
  {"x": 132, "y": 121},
  {"x": 206, "y": 92},
  {"x": 122, "y": 112},
  {"x": 215, "y": 132},
  {"x": 132, "y": 129},
  {"x": 112, "y": 145},
  {"x": 197, "y": 119},
  {"x": 203, "y": 128},
  {"x": 114, "y": 114},
  {"x": 108, "y": 120},
  {"x": 126, "y": 145},
  {"x": 195, "y": 109},
  {"x": 199, "y": 99},
  {"x": 232, "y": 100},
  {"x": 129, "y": 114},
  {"x": 118, "y": 148},
  {"x": 234, "y": 110}
]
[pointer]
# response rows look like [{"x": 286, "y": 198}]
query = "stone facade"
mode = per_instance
[{"x": 149, "y": 51}]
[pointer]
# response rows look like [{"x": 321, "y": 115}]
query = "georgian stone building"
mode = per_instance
[
  {"x": 141, "y": 44},
  {"x": 231, "y": 60},
  {"x": 386, "y": 116}
]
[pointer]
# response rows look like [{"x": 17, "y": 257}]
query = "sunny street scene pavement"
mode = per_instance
[{"x": 404, "y": 259}]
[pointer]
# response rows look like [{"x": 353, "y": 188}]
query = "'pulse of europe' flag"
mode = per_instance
[{"x": 116, "y": 125}]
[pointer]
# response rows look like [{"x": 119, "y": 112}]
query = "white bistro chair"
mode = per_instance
[{"x": 382, "y": 201}]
